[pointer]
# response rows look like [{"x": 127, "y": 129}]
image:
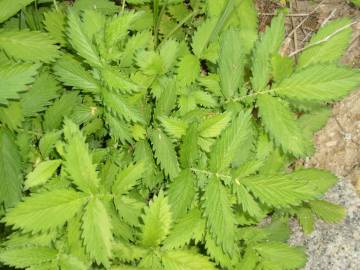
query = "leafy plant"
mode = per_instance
[{"x": 159, "y": 135}]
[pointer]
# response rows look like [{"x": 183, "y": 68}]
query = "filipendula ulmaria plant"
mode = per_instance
[{"x": 159, "y": 135}]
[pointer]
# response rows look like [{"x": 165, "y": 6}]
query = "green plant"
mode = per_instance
[{"x": 159, "y": 134}]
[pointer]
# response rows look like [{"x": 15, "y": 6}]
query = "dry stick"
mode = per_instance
[
  {"x": 327, "y": 38},
  {"x": 287, "y": 15},
  {"x": 305, "y": 19},
  {"x": 329, "y": 17},
  {"x": 293, "y": 26}
]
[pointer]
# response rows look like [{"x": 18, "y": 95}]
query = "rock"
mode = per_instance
[{"x": 334, "y": 247}]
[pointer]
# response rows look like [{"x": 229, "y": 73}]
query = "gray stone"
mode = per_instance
[{"x": 334, "y": 247}]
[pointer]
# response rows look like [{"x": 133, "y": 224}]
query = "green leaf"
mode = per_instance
[
  {"x": 168, "y": 53},
  {"x": 165, "y": 153},
  {"x": 117, "y": 81},
  {"x": 121, "y": 106},
  {"x": 71, "y": 73},
  {"x": 213, "y": 126},
  {"x": 231, "y": 63},
  {"x": 247, "y": 22},
  {"x": 14, "y": 79},
  {"x": 202, "y": 36},
  {"x": 282, "y": 255},
  {"x": 117, "y": 28},
  {"x": 28, "y": 45},
  {"x": 42, "y": 173},
  {"x": 247, "y": 202},
  {"x": 185, "y": 260},
  {"x": 189, "y": 149},
  {"x": 268, "y": 44},
  {"x": 78, "y": 160},
  {"x": 319, "y": 83},
  {"x": 181, "y": 193},
  {"x": 31, "y": 256},
  {"x": 188, "y": 70},
  {"x": 249, "y": 260},
  {"x": 175, "y": 127},
  {"x": 9, "y": 8},
  {"x": 327, "y": 211},
  {"x": 321, "y": 180},
  {"x": 80, "y": 42},
  {"x": 226, "y": 148},
  {"x": 157, "y": 221},
  {"x": 332, "y": 49},
  {"x": 97, "y": 232},
  {"x": 127, "y": 178},
  {"x": 220, "y": 217},
  {"x": 190, "y": 226},
  {"x": 282, "y": 67},
  {"x": 306, "y": 219},
  {"x": 45, "y": 211},
  {"x": 10, "y": 169},
  {"x": 54, "y": 21},
  {"x": 281, "y": 124},
  {"x": 104, "y": 6},
  {"x": 40, "y": 95},
  {"x": 279, "y": 190},
  {"x": 69, "y": 262}
]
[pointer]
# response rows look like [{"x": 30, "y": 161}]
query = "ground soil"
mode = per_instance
[{"x": 338, "y": 143}]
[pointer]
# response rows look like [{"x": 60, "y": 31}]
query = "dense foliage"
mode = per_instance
[{"x": 160, "y": 134}]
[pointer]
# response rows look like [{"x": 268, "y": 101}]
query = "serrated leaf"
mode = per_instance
[
  {"x": 181, "y": 193},
  {"x": 306, "y": 219},
  {"x": 61, "y": 108},
  {"x": 227, "y": 146},
  {"x": 69, "y": 262},
  {"x": 117, "y": 81},
  {"x": 282, "y": 255},
  {"x": 97, "y": 232},
  {"x": 175, "y": 127},
  {"x": 80, "y": 42},
  {"x": 9, "y": 8},
  {"x": 319, "y": 83},
  {"x": 190, "y": 226},
  {"x": 47, "y": 210},
  {"x": 10, "y": 169},
  {"x": 157, "y": 221},
  {"x": 279, "y": 190},
  {"x": 201, "y": 37},
  {"x": 280, "y": 122},
  {"x": 327, "y": 211},
  {"x": 268, "y": 44},
  {"x": 321, "y": 180},
  {"x": 121, "y": 106},
  {"x": 189, "y": 149},
  {"x": 28, "y": 45},
  {"x": 186, "y": 260},
  {"x": 72, "y": 73},
  {"x": 27, "y": 256},
  {"x": 78, "y": 161},
  {"x": 247, "y": 202},
  {"x": 220, "y": 217},
  {"x": 165, "y": 153},
  {"x": 168, "y": 53},
  {"x": 40, "y": 95},
  {"x": 213, "y": 126},
  {"x": 54, "y": 21},
  {"x": 127, "y": 178},
  {"x": 332, "y": 49},
  {"x": 188, "y": 69},
  {"x": 42, "y": 172},
  {"x": 231, "y": 63},
  {"x": 14, "y": 79}
]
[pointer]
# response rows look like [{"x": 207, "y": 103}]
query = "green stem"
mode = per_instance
[
  {"x": 157, "y": 19},
  {"x": 181, "y": 23}
]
